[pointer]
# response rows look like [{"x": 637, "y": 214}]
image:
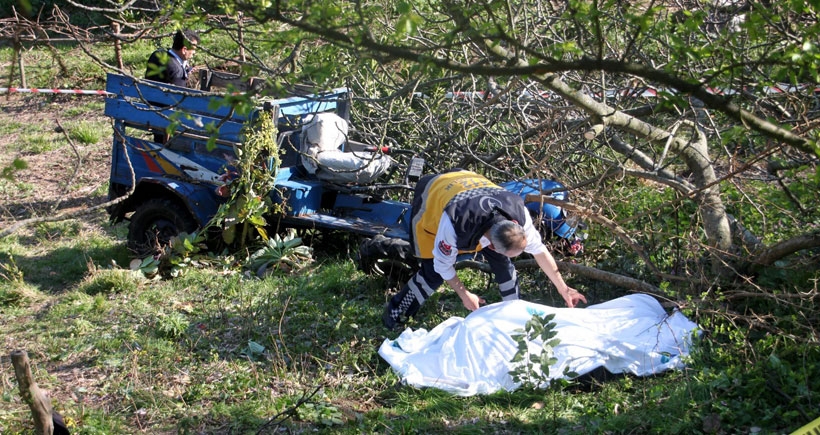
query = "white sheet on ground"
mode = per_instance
[{"x": 469, "y": 356}]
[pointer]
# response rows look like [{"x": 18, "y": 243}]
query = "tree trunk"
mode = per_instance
[{"x": 31, "y": 394}]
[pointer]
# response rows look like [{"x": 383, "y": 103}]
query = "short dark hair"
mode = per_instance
[
  {"x": 185, "y": 38},
  {"x": 507, "y": 235}
]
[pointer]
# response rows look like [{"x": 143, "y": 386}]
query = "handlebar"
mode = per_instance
[{"x": 388, "y": 150}]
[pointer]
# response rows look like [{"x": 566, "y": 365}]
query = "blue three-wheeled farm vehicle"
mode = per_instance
[{"x": 326, "y": 180}]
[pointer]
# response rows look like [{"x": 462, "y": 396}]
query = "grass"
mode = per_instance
[
  {"x": 88, "y": 133},
  {"x": 38, "y": 142},
  {"x": 11, "y": 127},
  {"x": 12, "y": 187},
  {"x": 33, "y": 140},
  {"x": 216, "y": 352},
  {"x": 89, "y": 107}
]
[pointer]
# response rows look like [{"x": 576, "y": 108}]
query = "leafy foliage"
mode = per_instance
[
  {"x": 408, "y": 63},
  {"x": 286, "y": 254},
  {"x": 16, "y": 165},
  {"x": 324, "y": 414},
  {"x": 250, "y": 187},
  {"x": 532, "y": 369}
]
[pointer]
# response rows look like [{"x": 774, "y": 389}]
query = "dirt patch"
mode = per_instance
[{"x": 70, "y": 177}]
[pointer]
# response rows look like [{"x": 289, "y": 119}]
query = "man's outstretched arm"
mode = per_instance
[{"x": 547, "y": 263}]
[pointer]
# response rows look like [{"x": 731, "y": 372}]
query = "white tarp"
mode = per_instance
[{"x": 468, "y": 356}]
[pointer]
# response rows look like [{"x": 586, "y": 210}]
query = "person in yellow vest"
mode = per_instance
[{"x": 458, "y": 212}]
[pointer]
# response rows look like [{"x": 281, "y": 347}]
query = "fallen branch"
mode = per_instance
[
  {"x": 632, "y": 284},
  {"x": 76, "y": 167},
  {"x": 272, "y": 425},
  {"x": 585, "y": 213}
]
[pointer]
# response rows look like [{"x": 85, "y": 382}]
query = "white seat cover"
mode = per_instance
[{"x": 323, "y": 138}]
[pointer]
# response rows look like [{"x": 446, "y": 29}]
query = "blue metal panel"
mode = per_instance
[
  {"x": 302, "y": 197},
  {"x": 347, "y": 212},
  {"x": 299, "y": 106},
  {"x": 387, "y": 213},
  {"x": 213, "y": 105},
  {"x": 126, "y": 88},
  {"x": 200, "y": 199},
  {"x": 142, "y": 114},
  {"x": 348, "y": 224},
  {"x": 552, "y": 216},
  {"x": 149, "y": 159}
]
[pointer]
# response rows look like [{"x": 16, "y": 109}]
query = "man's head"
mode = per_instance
[
  {"x": 507, "y": 238},
  {"x": 185, "y": 43}
]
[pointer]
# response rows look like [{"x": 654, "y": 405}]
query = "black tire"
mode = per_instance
[
  {"x": 391, "y": 258},
  {"x": 154, "y": 223}
]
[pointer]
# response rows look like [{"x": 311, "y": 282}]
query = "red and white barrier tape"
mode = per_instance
[{"x": 53, "y": 91}]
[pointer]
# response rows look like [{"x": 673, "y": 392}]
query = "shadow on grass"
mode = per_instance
[
  {"x": 33, "y": 207},
  {"x": 65, "y": 268},
  {"x": 62, "y": 268}
]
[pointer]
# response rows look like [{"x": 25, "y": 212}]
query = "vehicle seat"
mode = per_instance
[{"x": 323, "y": 141}]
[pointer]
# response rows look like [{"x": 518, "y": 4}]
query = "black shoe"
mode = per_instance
[{"x": 388, "y": 320}]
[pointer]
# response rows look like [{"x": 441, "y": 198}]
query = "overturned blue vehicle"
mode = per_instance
[{"x": 167, "y": 184}]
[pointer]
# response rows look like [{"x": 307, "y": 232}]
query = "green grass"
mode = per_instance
[
  {"x": 87, "y": 132},
  {"x": 10, "y": 127},
  {"x": 86, "y": 108},
  {"x": 38, "y": 142},
  {"x": 215, "y": 352},
  {"x": 43, "y": 137},
  {"x": 13, "y": 188}
]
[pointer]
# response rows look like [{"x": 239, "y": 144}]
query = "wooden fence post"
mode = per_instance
[
  {"x": 18, "y": 54},
  {"x": 241, "y": 37},
  {"x": 117, "y": 45},
  {"x": 36, "y": 400}
]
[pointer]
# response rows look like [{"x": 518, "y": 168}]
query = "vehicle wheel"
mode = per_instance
[
  {"x": 391, "y": 258},
  {"x": 154, "y": 223}
]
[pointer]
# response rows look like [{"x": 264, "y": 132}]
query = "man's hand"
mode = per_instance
[
  {"x": 471, "y": 301},
  {"x": 572, "y": 297}
]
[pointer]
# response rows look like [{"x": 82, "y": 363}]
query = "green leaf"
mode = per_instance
[
  {"x": 147, "y": 261},
  {"x": 255, "y": 348},
  {"x": 257, "y": 220},
  {"x": 150, "y": 269},
  {"x": 229, "y": 234},
  {"x": 262, "y": 232},
  {"x": 546, "y": 360},
  {"x": 189, "y": 246},
  {"x": 403, "y": 8}
]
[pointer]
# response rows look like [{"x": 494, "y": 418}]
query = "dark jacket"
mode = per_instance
[{"x": 164, "y": 66}]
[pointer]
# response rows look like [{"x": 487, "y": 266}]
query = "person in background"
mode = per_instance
[
  {"x": 460, "y": 211},
  {"x": 172, "y": 66}
]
